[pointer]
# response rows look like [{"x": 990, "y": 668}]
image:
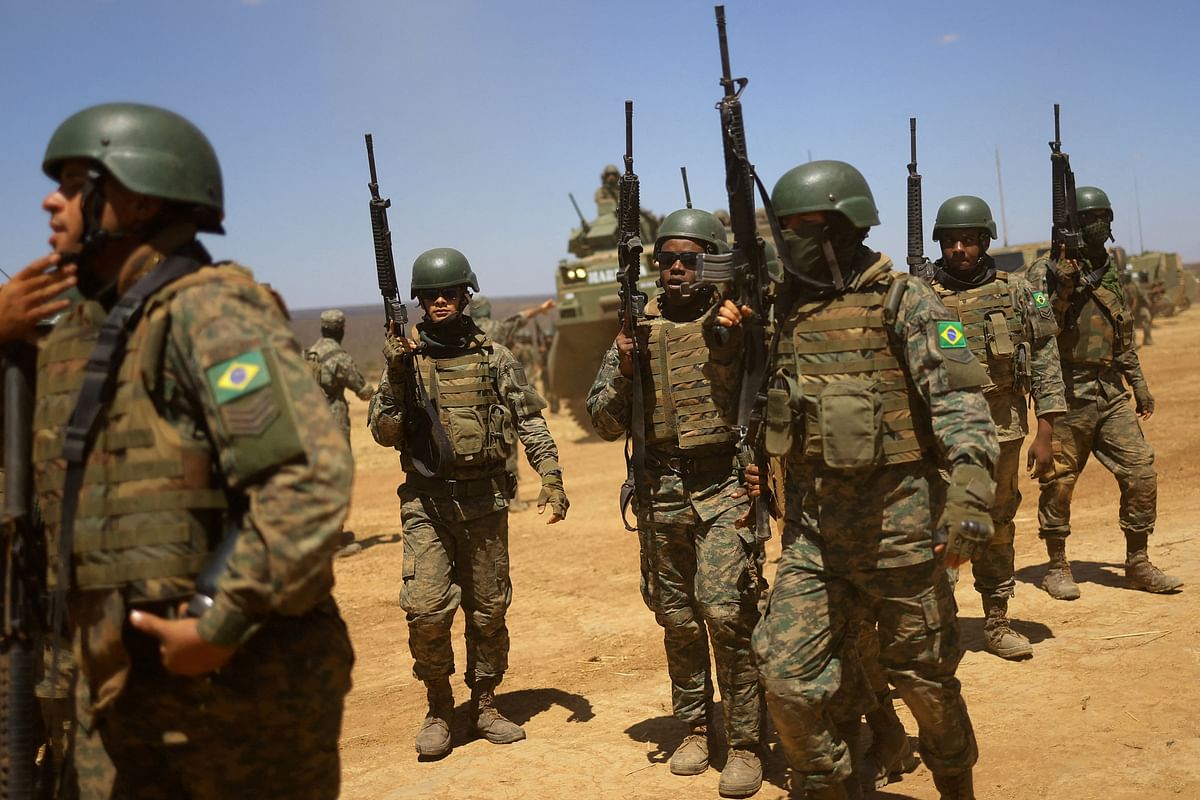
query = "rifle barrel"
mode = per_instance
[
  {"x": 371, "y": 162},
  {"x": 726, "y": 72},
  {"x": 912, "y": 138}
]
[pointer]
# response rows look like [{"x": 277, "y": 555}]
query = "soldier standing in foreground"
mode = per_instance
[
  {"x": 1010, "y": 328},
  {"x": 455, "y": 524},
  {"x": 701, "y": 576},
  {"x": 1095, "y": 342},
  {"x": 199, "y": 445},
  {"x": 873, "y": 389},
  {"x": 335, "y": 370}
]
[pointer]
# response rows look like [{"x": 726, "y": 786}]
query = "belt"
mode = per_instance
[
  {"x": 690, "y": 465},
  {"x": 445, "y": 487}
]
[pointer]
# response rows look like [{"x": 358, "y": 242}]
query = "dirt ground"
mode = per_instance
[{"x": 1107, "y": 708}]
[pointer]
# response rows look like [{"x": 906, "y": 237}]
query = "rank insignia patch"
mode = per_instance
[
  {"x": 951, "y": 336},
  {"x": 238, "y": 376}
]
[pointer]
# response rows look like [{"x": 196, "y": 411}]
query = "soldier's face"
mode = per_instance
[
  {"x": 65, "y": 207},
  {"x": 673, "y": 269},
  {"x": 961, "y": 249},
  {"x": 441, "y": 304}
]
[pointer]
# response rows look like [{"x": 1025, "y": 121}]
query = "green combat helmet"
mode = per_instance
[
  {"x": 692, "y": 223},
  {"x": 826, "y": 186},
  {"x": 149, "y": 150},
  {"x": 440, "y": 267},
  {"x": 481, "y": 307},
  {"x": 1090, "y": 198},
  {"x": 964, "y": 212}
]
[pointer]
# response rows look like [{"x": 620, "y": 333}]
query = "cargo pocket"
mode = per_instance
[
  {"x": 503, "y": 432},
  {"x": 850, "y": 415},
  {"x": 466, "y": 433},
  {"x": 779, "y": 435}
]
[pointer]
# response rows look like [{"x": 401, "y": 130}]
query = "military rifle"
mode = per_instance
[
  {"x": 22, "y": 578},
  {"x": 747, "y": 272},
  {"x": 916, "y": 233},
  {"x": 632, "y": 309},
  {"x": 687, "y": 192},
  {"x": 425, "y": 439},
  {"x": 583, "y": 223},
  {"x": 1065, "y": 232}
]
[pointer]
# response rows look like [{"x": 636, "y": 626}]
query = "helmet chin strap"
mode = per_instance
[{"x": 831, "y": 259}]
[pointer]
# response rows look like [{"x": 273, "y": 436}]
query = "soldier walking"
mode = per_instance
[
  {"x": 455, "y": 524},
  {"x": 1095, "y": 342},
  {"x": 199, "y": 444},
  {"x": 701, "y": 575},
  {"x": 1010, "y": 328},
  {"x": 874, "y": 389},
  {"x": 335, "y": 370}
]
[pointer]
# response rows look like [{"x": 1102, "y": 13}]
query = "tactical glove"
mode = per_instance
[
  {"x": 554, "y": 495},
  {"x": 966, "y": 522},
  {"x": 1144, "y": 400},
  {"x": 395, "y": 353}
]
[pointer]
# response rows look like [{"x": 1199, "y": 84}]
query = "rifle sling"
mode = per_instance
[{"x": 95, "y": 394}]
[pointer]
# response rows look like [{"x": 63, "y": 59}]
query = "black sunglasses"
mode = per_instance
[
  {"x": 666, "y": 259},
  {"x": 431, "y": 295}
]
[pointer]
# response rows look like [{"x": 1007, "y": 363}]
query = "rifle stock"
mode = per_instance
[{"x": 426, "y": 442}]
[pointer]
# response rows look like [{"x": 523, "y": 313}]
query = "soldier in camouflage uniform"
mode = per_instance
[
  {"x": 455, "y": 521},
  {"x": 607, "y": 195},
  {"x": 335, "y": 370},
  {"x": 1010, "y": 329},
  {"x": 1095, "y": 342},
  {"x": 873, "y": 389},
  {"x": 1138, "y": 303},
  {"x": 701, "y": 575},
  {"x": 201, "y": 440},
  {"x": 504, "y": 332}
]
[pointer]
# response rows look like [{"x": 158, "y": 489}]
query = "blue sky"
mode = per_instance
[{"x": 486, "y": 114}]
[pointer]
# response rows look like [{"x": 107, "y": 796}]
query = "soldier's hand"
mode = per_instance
[
  {"x": 1144, "y": 401},
  {"x": 752, "y": 482},
  {"x": 1040, "y": 459},
  {"x": 730, "y": 316},
  {"x": 625, "y": 349},
  {"x": 183, "y": 650},
  {"x": 555, "y": 496},
  {"x": 30, "y": 297},
  {"x": 1066, "y": 269},
  {"x": 367, "y": 392},
  {"x": 396, "y": 349},
  {"x": 967, "y": 517}
]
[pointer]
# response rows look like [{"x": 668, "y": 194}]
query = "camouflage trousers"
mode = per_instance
[
  {"x": 703, "y": 580},
  {"x": 339, "y": 409},
  {"x": 264, "y": 726},
  {"x": 994, "y": 568},
  {"x": 820, "y": 609},
  {"x": 448, "y": 564},
  {"x": 1109, "y": 428}
]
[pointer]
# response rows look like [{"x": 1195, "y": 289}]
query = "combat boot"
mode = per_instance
[
  {"x": 433, "y": 738},
  {"x": 839, "y": 791},
  {"x": 1141, "y": 574},
  {"x": 955, "y": 787},
  {"x": 489, "y": 722},
  {"x": 743, "y": 774},
  {"x": 1059, "y": 583},
  {"x": 890, "y": 754},
  {"x": 998, "y": 636},
  {"x": 691, "y": 757}
]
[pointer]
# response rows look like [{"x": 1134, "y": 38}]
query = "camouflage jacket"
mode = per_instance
[
  {"x": 338, "y": 371},
  {"x": 1087, "y": 382},
  {"x": 501, "y": 331},
  {"x": 385, "y": 417},
  {"x": 1046, "y": 381},
  {"x": 674, "y": 493},
  {"x": 284, "y": 464}
]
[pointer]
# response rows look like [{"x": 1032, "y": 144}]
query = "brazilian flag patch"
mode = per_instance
[
  {"x": 1040, "y": 300},
  {"x": 951, "y": 336},
  {"x": 238, "y": 376}
]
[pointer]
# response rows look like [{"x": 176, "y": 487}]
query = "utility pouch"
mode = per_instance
[
  {"x": 466, "y": 433},
  {"x": 1022, "y": 369},
  {"x": 850, "y": 416},
  {"x": 500, "y": 424},
  {"x": 779, "y": 434},
  {"x": 995, "y": 332}
]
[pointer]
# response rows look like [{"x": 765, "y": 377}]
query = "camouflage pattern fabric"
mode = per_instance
[
  {"x": 280, "y": 573},
  {"x": 994, "y": 568},
  {"x": 338, "y": 372},
  {"x": 265, "y": 726},
  {"x": 456, "y": 548},
  {"x": 501, "y": 331},
  {"x": 701, "y": 576},
  {"x": 857, "y": 546}
]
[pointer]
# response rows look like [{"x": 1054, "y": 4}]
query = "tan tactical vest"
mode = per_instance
[
  {"x": 479, "y": 424},
  {"x": 1103, "y": 330},
  {"x": 858, "y": 403},
  {"x": 680, "y": 404},
  {"x": 151, "y": 501},
  {"x": 995, "y": 333}
]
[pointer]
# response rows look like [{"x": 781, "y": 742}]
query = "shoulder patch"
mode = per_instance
[
  {"x": 239, "y": 376},
  {"x": 1040, "y": 300},
  {"x": 951, "y": 335}
]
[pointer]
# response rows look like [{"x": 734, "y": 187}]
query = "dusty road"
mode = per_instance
[{"x": 1107, "y": 708}]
